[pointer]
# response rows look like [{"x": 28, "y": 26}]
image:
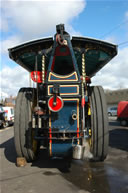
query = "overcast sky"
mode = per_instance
[{"x": 23, "y": 20}]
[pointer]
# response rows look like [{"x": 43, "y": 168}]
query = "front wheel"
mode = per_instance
[
  {"x": 25, "y": 144},
  {"x": 99, "y": 123}
]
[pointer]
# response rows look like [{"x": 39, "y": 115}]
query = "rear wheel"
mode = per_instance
[
  {"x": 25, "y": 144},
  {"x": 99, "y": 124}
]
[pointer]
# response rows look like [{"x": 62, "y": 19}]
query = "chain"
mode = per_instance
[
  {"x": 83, "y": 68},
  {"x": 83, "y": 74},
  {"x": 43, "y": 69}
]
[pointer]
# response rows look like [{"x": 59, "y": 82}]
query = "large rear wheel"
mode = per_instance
[
  {"x": 25, "y": 144},
  {"x": 99, "y": 123}
]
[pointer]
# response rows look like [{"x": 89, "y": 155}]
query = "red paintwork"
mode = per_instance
[
  {"x": 58, "y": 106},
  {"x": 88, "y": 79},
  {"x": 83, "y": 102},
  {"x": 122, "y": 110},
  {"x": 58, "y": 51},
  {"x": 36, "y": 76}
]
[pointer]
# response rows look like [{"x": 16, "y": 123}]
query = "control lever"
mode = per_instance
[
  {"x": 55, "y": 93},
  {"x": 54, "y": 101}
]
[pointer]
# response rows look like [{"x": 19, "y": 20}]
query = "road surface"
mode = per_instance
[{"x": 52, "y": 176}]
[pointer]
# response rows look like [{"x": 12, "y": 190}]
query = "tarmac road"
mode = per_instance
[{"x": 52, "y": 176}]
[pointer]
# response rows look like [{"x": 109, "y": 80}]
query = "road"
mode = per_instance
[{"x": 52, "y": 176}]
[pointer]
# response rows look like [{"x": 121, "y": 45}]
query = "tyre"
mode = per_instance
[
  {"x": 109, "y": 114},
  {"x": 99, "y": 124},
  {"x": 25, "y": 144},
  {"x": 6, "y": 124},
  {"x": 123, "y": 122}
]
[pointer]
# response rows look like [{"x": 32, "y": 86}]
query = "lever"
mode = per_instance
[
  {"x": 55, "y": 93},
  {"x": 54, "y": 101}
]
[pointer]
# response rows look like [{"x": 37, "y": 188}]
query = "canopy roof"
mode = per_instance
[{"x": 97, "y": 53}]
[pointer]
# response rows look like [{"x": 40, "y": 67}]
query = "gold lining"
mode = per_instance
[
  {"x": 62, "y": 78},
  {"x": 50, "y": 86}
]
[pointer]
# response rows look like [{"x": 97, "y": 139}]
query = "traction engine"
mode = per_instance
[{"x": 62, "y": 112}]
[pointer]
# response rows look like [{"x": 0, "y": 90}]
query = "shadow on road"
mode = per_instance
[
  {"x": 9, "y": 150},
  {"x": 44, "y": 161}
]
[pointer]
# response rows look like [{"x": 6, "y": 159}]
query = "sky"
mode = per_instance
[{"x": 24, "y": 20}]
